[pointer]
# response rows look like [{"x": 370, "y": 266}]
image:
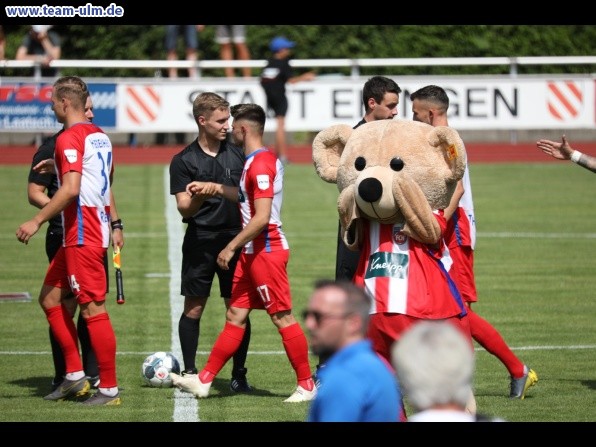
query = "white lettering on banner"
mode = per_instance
[
  {"x": 476, "y": 102},
  {"x": 104, "y": 100}
]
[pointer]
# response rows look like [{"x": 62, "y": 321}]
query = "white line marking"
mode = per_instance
[
  {"x": 141, "y": 354},
  {"x": 522, "y": 235},
  {"x": 185, "y": 409},
  {"x": 326, "y": 235}
]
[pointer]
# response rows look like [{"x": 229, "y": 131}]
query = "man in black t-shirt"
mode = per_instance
[
  {"x": 212, "y": 222},
  {"x": 42, "y": 45},
  {"x": 380, "y": 97},
  {"x": 274, "y": 77}
]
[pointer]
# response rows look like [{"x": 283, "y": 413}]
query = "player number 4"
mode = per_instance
[{"x": 74, "y": 285}]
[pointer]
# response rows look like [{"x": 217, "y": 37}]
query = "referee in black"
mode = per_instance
[{"x": 211, "y": 224}]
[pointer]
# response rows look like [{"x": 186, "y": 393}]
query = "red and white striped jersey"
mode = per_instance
[
  {"x": 262, "y": 177},
  {"x": 461, "y": 228},
  {"x": 86, "y": 149},
  {"x": 405, "y": 276}
]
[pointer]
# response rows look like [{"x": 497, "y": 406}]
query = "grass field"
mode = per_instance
[{"x": 535, "y": 271}]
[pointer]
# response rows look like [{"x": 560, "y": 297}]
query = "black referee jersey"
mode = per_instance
[{"x": 193, "y": 164}]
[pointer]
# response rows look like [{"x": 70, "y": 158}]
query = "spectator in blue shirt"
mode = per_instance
[{"x": 356, "y": 385}]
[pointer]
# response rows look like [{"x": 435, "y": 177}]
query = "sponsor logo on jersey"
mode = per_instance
[
  {"x": 263, "y": 181},
  {"x": 71, "y": 155},
  {"x": 384, "y": 264},
  {"x": 100, "y": 142},
  {"x": 398, "y": 236}
]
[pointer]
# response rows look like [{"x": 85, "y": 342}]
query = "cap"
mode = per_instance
[
  {"x": 279, "y": 43},
  {"x": 40, "y": 28}
]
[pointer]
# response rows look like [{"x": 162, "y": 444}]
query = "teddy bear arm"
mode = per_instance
[
  {"x": 421, "y": 223},
  {"x": 349, "y": 218}
]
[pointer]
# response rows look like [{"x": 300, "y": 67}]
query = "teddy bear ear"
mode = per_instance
[
  {"x": 327, "y": 148},
  {"x": 452, "y": 146}
]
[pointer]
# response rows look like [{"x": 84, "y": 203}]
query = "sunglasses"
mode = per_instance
[{"x": 318, "y": 316}]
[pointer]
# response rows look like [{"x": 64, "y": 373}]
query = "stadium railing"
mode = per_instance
[{"x": 355, "y": 65}]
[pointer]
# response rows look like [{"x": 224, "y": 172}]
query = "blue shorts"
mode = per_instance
[{"x": 190, "y": 36}]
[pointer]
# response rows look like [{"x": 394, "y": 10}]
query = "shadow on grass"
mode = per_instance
[
  {"x": 42, "y": 386},
  {"x": 221, "y": 389},
  {"x": 39, "y": 386},
  {"x": 222, "y": 386}
]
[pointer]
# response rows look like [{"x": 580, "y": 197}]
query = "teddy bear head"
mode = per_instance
[{"x": 391, "y": 171}]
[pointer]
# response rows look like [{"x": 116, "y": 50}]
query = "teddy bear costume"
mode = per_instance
[{"x": 395, "y": 177}]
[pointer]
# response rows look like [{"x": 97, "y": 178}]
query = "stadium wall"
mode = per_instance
[{"x": 477, "y": 153}]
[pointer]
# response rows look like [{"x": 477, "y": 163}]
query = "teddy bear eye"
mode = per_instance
[
  {"x": 360, "y": 163},
  {"x": 397, "y": 164}
]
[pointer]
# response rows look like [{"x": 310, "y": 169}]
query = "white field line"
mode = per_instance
[
  {"x": 186, "y": 408},
  {"x": 532, "y": 235},
  {"x": 325, "y": 235},
  {"x": 141, "y": 354}
]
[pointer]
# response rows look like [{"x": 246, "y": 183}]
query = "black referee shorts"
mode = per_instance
[{"x": 199, "y": 263}]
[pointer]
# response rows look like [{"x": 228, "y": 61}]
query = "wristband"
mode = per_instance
[
  {"x": 575, "y": 156},
  {"x": 117, "y": 225}
]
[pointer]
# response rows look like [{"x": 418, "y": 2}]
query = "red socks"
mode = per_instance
[
  {"x": 65, "y": 332},
  {"x": 224, "y": 348},
  {"x": 229, "y": 341},
  {"x": 296, "y": 347},
  {"x": 103, "y": 342},
  {"x": 490, "y": 339}
]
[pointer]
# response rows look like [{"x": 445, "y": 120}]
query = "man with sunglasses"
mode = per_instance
[{"x": 357, "y": 384}]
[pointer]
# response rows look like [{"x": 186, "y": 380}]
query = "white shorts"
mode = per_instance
[{"x": 230, "y": 33}]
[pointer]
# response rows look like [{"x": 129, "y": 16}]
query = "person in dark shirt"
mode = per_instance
[
  {"x": 41, "y": 44},
  {"x": 380, "y": 97},
  {"x": 211, "y": 224},
  {"x": 276, "y": 74}
]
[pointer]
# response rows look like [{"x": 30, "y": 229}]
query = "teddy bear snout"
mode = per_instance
[{"x": 370, "y": 190}]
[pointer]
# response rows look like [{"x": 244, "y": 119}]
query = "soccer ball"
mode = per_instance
[{"x": 157, "y": 367}]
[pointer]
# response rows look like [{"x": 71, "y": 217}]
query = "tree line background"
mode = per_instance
[{"x": 332, "y": 42}]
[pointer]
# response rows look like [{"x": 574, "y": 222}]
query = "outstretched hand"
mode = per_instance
[{"x": 560, "y": 151}]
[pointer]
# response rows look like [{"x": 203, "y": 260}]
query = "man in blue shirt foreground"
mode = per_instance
[{"x": 356, "y": 385}]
